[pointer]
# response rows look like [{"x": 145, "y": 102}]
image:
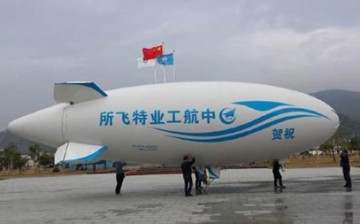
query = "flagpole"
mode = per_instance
[
  {"x": 155, "y": 72},
  {"x": 174, "y": 73},
  {"x": 162, "y": 44},
  {"x": 164, "y": 73}
]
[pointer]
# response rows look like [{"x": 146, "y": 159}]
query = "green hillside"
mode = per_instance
[{"x": 344, "y": 102}]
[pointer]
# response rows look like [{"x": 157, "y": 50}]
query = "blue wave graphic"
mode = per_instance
[
  {"x": 262, "y": 105},
  {"x": 245, "y": 133},
  {"x": 244, "y": 126},
  {"x": 250, "y": 127}
]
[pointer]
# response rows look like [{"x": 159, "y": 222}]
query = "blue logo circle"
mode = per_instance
[{"x": 227, "y": 115}]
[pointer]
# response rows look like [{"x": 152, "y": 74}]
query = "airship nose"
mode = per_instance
[
  {"x": 332, "y": 123},
  {"x": 42, "y": 126},
  {"x": 16, "y": 127}
]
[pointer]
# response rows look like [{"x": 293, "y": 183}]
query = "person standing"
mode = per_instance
[
  {"x": 120, "y": 175},
  {"x": 277, "y": 176},
  {"x": 186, "y": 168},
  {"x": 345, "y": 164}
]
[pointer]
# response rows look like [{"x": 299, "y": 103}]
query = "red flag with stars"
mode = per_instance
[{"x": 152, "y": 53}]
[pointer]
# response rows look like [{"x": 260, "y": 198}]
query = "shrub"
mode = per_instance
[{"x": 56, "y": 170}]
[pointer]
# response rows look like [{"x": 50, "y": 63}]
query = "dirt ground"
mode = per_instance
[{"x": 320, "y": 161}]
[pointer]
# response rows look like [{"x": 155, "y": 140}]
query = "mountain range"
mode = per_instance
[
  {"x": 346, "y": 104},
  {"x": 22, "y": 144}
]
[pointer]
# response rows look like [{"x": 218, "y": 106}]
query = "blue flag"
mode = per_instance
[{"x": 166, "y": 59}]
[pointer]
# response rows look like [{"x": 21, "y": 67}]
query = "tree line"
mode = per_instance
[
  {"x": 11, "y": 158},
  {"x": 350, "y": 143},
  {"x": 337, "y": 143}
]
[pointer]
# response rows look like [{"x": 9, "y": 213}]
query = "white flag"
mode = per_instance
[{"x": 149, "y": 63}]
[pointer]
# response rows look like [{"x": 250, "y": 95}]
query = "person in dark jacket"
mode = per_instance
[
  {"x": 277, "y": 176},
  {"x": 345, "y": 164},
  {"x": 120, "y": 175},
  {"x": 186, "y": 168}
]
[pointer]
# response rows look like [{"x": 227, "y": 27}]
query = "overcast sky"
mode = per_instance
[{"x": 304, "y": 45}]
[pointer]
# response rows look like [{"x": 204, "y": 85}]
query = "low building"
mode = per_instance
[{"x": 30, "y": 163}]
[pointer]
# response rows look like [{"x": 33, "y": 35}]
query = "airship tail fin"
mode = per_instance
[
  {"x": 72, "y": 152},
  {"x": 77, "y": 92}
]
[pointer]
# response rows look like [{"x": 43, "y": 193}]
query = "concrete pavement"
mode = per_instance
[{"x": 313, "y": 195}]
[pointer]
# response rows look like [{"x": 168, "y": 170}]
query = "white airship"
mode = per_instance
[{"x": 219, "y": 123}]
